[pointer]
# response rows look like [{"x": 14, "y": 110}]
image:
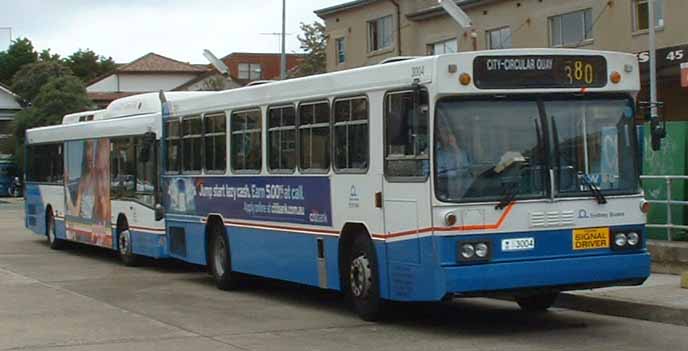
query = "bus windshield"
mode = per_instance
[{"x": 489, "y": 149}]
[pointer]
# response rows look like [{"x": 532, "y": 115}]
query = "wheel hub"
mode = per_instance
[
  {"x": 51, "y": 232},
  {"x": 360, "y": 276},
  {"x": 124, "y": 242},
  {"x": 220, "y": 256}
]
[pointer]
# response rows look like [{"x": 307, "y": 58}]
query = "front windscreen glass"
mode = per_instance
[
  {"x": 487, "y": 149},
  {"x": 594, "y": 139}
]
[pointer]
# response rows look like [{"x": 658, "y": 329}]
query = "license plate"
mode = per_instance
[
  {"x": 518, "y": 244},
  {"x": 590, "y": 238}
]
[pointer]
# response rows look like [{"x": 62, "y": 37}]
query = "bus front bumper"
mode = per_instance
[{"x": 553, "y": 274}]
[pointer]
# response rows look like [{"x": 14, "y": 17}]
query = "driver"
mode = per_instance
[{"x": 453, "y": 166}]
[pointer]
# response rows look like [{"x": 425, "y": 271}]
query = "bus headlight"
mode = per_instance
[
  {"x": 632, "y": 239},
  {"x": 620, "y": 239},
  {"x": 473, "y": 251},
  {"x": 481, "y": 250},
  {"x": 467, "y": 251}
]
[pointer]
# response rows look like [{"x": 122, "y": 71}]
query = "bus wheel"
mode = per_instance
[
  {"x": 220, "y": 262},
  {"x": 125, "y": 248},
  {"x": 363, "y": 282},
  {"x": 54, "y": 242},
  {"x": 537, "y": 303}
]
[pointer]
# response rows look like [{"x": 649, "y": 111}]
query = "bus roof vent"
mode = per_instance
[
  {"x": 397, "y": 59},
  {"x": 83, "y": 116},
  {"x": 147, "y": 103}
]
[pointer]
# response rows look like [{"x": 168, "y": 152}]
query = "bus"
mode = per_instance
[
  {"x": 489, "y": 173},
  {"x": 9, "y": 180}
]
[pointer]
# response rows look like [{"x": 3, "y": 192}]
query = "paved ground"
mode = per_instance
[{"x": 83, "y": 299}]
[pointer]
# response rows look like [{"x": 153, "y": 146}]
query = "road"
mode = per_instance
[{"x": 82, "y": 298}]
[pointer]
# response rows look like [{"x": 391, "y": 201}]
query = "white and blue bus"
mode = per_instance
[{"x": 511, "y": 172}]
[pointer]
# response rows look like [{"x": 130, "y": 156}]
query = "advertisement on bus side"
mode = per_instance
[
  {"x": 302, "y": 200},
  {"x": 87, "y": 191}
]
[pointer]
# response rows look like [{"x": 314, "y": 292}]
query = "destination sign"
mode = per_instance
[{"x": 539, "y": 71}]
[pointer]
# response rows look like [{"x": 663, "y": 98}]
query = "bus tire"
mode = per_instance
[
  {"x": 538, "y": 302},
  {"x": 125, "y": 246},
  {"x": 54, "y": 242},
  {"x": 363, "y": 284},
  {"x": 220, "y": 259}
]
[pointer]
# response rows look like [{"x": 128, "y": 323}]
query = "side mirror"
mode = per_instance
[
  {"x": 148, "y": 142},
  {"x": 159, "y": 212}
]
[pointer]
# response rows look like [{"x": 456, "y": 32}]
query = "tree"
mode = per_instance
[
  {"x": 47, "y": 56},
  {"x": 20, "y": 53},
  {"x": 314, "y": 43},
  {"x": 31, "y": 78},
  {"x": 56, "y": 98},
  {"x": 87, "y": 65}
]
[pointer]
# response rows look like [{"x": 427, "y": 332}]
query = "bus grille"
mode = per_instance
[{"x": 551, "y": 219}]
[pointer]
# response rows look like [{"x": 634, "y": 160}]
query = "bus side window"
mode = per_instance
[
  {"x": 173, "y": 145},
  {"x": 314, "y": 136},
  {"x": 215, "y": 139},
  {"x": 282, "y": 139},
  {"x": 123, "y": 168},
  {"x": 351, "y": 134},
  {"x": 45, "y": 163},
  {"x": 406, "y": 134},
  {"x": 246, "y": 147},
  {"x": 192, "y": 144}
]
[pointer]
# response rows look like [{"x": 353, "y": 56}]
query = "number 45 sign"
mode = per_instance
[{"x": 684, "y": 74}]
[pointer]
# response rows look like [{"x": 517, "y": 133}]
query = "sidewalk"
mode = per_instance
[{"x": 659, "y": 299}]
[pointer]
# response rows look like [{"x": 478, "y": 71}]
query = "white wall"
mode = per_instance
[
  {"x": 105, "y": 85},
  {"x": 7, "y": 101},
  {"x": 140, "y": 82}
]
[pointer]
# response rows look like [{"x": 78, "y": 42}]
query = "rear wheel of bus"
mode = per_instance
[
  {"x": 54, "y": 242},
  {"x": 363, "y": 284},
  {"x": 220, "y": 259},
  {"x": 125, "y": 245}
]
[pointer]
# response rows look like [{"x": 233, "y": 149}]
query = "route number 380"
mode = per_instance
[{"x": 579, "y": 72}]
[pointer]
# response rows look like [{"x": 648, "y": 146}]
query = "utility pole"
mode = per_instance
[
  {"x": 283, "y": 59},
  {"x": 653, "y": 60}
]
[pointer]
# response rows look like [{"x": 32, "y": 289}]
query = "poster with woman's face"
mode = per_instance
[{"x": 87, "y": 189}]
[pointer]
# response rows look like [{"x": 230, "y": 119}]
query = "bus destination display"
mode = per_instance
[{"x": 539, "y": 71}]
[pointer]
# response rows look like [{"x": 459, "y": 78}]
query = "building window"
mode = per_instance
[
  {"x": 246, "y": 143},
  {"x": 215, "y": 138},
  {"x": 173, "y": 144},
  {"x": 339, "y": 44},
  {"x": 571, "y": 28},
  {"x": 641, "y": 14},
  {"x": 351, "y": 134},
  {"x": 380, "y": 34},
  {"x": 282, "y": 138},
  {"x": 314, "y": 136},
  {"x": 443, "y": 47},
  {"x": 499, "y": 38},
  {"x": 192, "y": 144},
  {"x": 250, "y": 71}
]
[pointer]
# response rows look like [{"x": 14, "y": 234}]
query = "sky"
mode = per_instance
[{"x": 180, "y": 29}]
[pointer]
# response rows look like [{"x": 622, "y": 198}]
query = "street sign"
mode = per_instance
[
  {"x": 684, "y": 74},
  {"x": 666, "y": 57}
]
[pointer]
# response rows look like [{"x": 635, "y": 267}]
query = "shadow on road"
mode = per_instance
[{"x": 457, "y": 317}]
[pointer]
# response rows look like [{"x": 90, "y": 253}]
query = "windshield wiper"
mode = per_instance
[
  {"x": 594, "y": 189},
  {"x": 509, "y": 195}
]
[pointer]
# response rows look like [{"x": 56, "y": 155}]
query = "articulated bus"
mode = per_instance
[{"x": 490, "y": 173}]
